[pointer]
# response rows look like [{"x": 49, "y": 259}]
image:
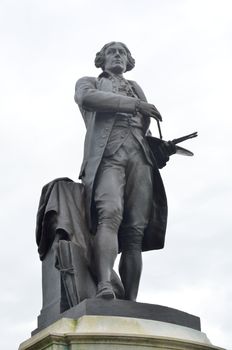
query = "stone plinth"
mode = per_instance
[
  {"x": 116, "y": 333},
  {"x": 122, "y": 308}
]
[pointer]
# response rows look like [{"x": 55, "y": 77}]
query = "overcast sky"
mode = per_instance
[{"x": 183, "y": 58}]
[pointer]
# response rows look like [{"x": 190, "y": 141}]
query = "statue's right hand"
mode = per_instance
[{"x": 149, "y": 110}]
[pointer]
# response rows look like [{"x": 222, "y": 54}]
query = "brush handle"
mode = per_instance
[{"x": 183, "y": 138}]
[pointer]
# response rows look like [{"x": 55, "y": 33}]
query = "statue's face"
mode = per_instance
[{"x": 115, "y": 59}]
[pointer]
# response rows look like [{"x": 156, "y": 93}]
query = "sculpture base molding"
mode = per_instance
[
  {"x": 116, "y": 333},
  {"x": 121, "y": 308}
]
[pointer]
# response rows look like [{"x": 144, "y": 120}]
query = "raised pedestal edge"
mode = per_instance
[{"x": 102, "y": 331}]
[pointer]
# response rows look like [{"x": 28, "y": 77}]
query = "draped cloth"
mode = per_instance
[
  {"x": 61, "y": 209},
  {"x": 61, "y": 221}
]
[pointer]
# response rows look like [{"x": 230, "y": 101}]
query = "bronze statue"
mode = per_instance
[
  {"x": 120, "y": 206},
  {"x": 125, "y": 198}
]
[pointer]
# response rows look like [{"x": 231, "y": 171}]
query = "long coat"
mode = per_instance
[{"x": 98, "y": 101}]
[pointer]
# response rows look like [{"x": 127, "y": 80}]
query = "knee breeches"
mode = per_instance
[{"x": 123, "y": 194}]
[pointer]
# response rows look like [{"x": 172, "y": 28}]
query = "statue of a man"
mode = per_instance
[{"x": 125, "y": 198}]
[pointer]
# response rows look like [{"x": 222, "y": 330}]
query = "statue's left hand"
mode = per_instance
[{"x": 149, "y": 110}]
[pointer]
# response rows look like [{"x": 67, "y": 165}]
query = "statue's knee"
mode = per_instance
[
  {"x": 130, "y": 240},
  {"x": 110, "y": 215}
]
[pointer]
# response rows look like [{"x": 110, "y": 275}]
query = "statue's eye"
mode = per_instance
[{"x": 110, "y": 51}]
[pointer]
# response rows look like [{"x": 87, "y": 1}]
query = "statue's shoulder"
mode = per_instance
[
  {"x": 86, "y": 80},
  {"x": 83, "y": 85},
  {"x": 138, "y": 89},
  {"x": 134, "y": 84}
]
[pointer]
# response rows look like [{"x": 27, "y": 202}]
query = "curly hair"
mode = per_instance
[{"x": 100, "y": 56}]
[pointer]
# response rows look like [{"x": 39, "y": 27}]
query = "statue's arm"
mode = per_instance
[{"x": 88, "y": 97}]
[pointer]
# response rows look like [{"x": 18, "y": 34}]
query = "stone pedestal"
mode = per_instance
[
  {"x": 116, "y": 333},
  {"x": 122, "y": 308}
]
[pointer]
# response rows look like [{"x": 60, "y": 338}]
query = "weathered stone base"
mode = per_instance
[
  {"x": 116, "y": 333},
  {"x": 121, "y": 308}
]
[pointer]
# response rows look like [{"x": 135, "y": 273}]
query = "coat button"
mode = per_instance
[{"x": 102, "y": 145}]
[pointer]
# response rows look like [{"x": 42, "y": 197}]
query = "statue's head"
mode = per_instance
[{"x": 115, "y": 57}]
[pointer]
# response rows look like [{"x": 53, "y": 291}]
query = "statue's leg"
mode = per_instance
[
  {"x": 137, "y": 209},
  {"x": 130, "y": 268},
  {"x": 108, "y": 200}
]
